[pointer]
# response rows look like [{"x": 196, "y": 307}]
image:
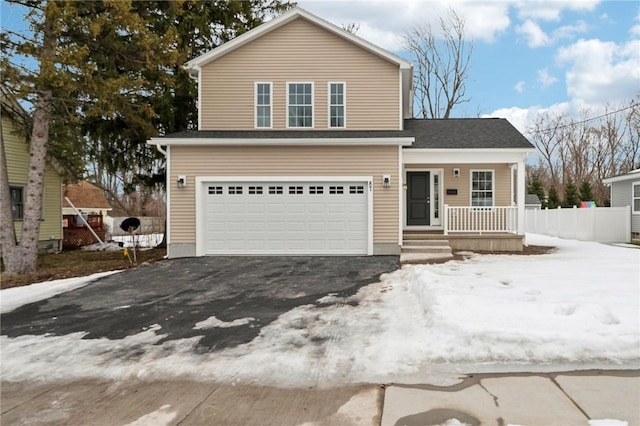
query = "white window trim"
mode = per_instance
[
  {"x": 313, "y": 99},
  {"x": 493, "y": 186},
  {"x": 344, "y": 104},
  {"x": 633, "y": 187},
  {"x": 255, "y": 104},
  {"x": 202, "y": 181}
]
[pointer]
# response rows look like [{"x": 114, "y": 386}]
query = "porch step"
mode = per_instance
[
  {"x": 426, "y": 249},
  {"x": 423, "y": 243},
  {"x": 418, "y": 249},
  {"x": 424, "y": 258}
]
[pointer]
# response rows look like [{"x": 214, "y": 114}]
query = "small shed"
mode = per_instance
[
  {"x": 532, "y": 202},
  {"x": 625, "y": 191}
]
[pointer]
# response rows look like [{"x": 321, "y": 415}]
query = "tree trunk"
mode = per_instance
[
  {"x": 7, "y": 231},
  {"x": 22, "y": 258}
]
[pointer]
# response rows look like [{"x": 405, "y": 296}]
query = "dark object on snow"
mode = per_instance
[{"x": 130, "y": 224}]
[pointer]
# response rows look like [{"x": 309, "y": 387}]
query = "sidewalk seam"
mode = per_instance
[
  {"x": 196, "y": 407},
  {"x": 553, "y": 380}
]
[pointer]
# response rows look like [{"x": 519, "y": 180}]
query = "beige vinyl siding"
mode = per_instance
[
  {"x": 284, "y": 161},
  {"x": 16, "y": 151},
  {"x": 300, "y": 52},
  {"x": 501, "y": 176}
]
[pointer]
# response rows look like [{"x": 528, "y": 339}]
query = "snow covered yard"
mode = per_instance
[{"x": 578, "y": 307}]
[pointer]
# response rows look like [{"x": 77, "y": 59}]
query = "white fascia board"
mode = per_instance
[
  {"x": 464, "y": 156},
  {"x": 630, "y": 176},
  {"x": 285, "y": 18},
  {"x": 403, "y": 141}
]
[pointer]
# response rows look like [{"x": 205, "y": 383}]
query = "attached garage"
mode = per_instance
[{"x": 284, "y": 216}]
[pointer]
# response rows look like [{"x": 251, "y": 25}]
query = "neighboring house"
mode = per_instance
[
  {"x": 92, "y": 204},
  {"x": 306, "y": 145},
  {"x": 16, "y": 149},
  {"x": 532, "y": 202},
  {"x": 625, "y": 191},
  {"x": 87, "y": 198}
]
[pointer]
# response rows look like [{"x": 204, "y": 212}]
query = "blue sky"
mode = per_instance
[{"x": 529, "y": 56}]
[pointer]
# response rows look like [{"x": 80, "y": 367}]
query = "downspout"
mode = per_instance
[{"x": 161, "y": 150}]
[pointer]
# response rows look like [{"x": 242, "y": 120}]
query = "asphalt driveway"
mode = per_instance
[{"x": 178, "y": 293}]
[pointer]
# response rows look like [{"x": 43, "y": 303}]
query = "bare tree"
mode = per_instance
[
  {"x": 351, "y": 27},
  {"x": 442, "y": 62},
  {"x": 587, "y": 149}
]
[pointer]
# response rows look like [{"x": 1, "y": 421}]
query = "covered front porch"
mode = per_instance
[{"x": 470, "y": 200}]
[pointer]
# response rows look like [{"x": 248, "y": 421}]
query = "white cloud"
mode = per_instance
[
  {"x": 519, "y": 87},
  {"x": 533, "y": 33},
  {"x": 383, "y": 22},
  {"x": 635, "y": 30},
  {"x": 545, "y": 78},
  {"x": 551, "y": 10},
  {"x": 601, "y": 72},
  {"x": 570, "y": 31},
  {"x": 523, "y": 118}
]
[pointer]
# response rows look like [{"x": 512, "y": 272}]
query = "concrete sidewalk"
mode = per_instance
[{"x": 524, "y": 399}]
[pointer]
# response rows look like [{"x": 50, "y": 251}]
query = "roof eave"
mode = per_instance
[{"x": 398, "y": 141}]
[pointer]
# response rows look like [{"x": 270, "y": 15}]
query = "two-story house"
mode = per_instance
[{"x": 306, "y": 145}]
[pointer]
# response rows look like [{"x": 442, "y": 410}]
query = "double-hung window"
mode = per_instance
[
  {"x": 336, "y": 105},
  {"x": 17, "y": 202},
  {"x": 635, "y": 198},
  {"x": 263, "y": 105},
  {"x": 481, "y": 188},
  {"x": 300, "y": 105}
]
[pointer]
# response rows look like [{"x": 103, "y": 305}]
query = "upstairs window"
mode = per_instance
[
  {"x": 336, "y": 105},
  {"x": 482, "y": 188},
  {"x": 635, "y": 198},
  {"x": 263, "y": 105},
  {"x": 300, "y": 105}
]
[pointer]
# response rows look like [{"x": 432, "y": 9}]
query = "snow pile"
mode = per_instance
[
  {"x": 144, "y": 241},
  {"x": 13, "y": 298},
  {"x": 102, "y": 247},
  {"x": 213, "y": 322},
  {"x": 577, "y": 307}
]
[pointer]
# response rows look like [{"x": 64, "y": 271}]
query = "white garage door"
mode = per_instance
[{"x": 285, "y": 217}]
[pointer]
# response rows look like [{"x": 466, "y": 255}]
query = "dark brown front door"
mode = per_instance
[{"x": 418, "y": 199}]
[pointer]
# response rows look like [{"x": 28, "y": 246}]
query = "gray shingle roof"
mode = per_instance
[
  {"x": 531, "y": 199},
  {"x": 464, "y": 133},
  {"x": 453, "y": 133}
]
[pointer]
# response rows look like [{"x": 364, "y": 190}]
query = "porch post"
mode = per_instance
[
  {"x": 521, "y": 196},
  {"x": 445, "y": 220}
]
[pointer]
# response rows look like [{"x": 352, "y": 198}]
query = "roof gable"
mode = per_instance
[{"x": 291, "y": 15}]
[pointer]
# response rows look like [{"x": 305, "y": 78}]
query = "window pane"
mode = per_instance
[
  {"x": 636, "y": 191},
  {"x": 482, "y": 188},
  {"x": 16, "y": 202},
  {"x": 636, "y": 205},
  {"x": 300, "y": 105}
]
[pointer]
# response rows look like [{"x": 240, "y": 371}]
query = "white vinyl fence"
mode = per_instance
[{"x": 601, "y": 224}]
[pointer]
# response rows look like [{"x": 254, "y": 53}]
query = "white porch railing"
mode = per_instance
[{"x": 480, "y": 219}]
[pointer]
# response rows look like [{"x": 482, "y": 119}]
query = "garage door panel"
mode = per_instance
[{"x": 286, "y": 218}]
